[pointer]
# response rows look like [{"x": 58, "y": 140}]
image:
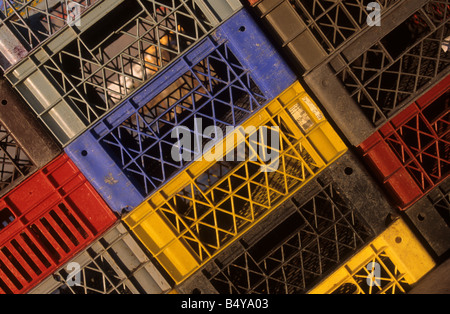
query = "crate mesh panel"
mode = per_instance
[{"x": 291, "y": 258}]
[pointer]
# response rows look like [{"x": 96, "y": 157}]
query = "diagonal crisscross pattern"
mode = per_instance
[
  {"x": 334, "y": 22},
  {"x": 298, "y": 252},
  {"x": 37, "y": 20},
  {"x": 208, "y": 217},
  {"x": 422, "y": 142},
  {"x": 97, "y": 68},
  {"x": 390, "y": 280},
  {"x": 218, "y": 90},
  {"x": 98, "y": 277},
  {"x": 385, "y": 77},
  {"x": 440, "y": 198},
  {"x": 14, "y": 162}
]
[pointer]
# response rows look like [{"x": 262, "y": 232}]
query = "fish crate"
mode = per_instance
[
  {"x": 25, "y": 145},
  {"x": 410, "y": 155},
  {"x": 431, "y": 218},
  {"x": 220, "y": 83},
  {"x": 77, "y": 77},
  {"x": 211, "y": 203},
  {"x": 46, "y": 221},
  {"x": 378, "y": 75},
  {"x": 26, "y": 24},
  {"x": 310, "y": 236},
  {"x": 310, "y": 32},
  {"x": 113, "y": 264},
  {"x": 392, "y": 264}
]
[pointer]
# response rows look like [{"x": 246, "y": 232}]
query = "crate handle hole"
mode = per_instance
[
  {"x": 84, "y": 153},
  {"x": 242, "y": 29},
  {"x": 4, "y": 102},
  {"x": 349, "y": 171},
  {"x": 421, "y": 217},
  {"x": 196, "y": 291}
]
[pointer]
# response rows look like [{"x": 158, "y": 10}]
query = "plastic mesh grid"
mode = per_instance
[
  {"x": 14, "y": 162},
  {"x": 218, "y": 90},
  {"x": 106, "y": 63},
  {"x": 422, "y": 143},
  {"x": 333, "y": 22},
  {"x": 386, "y": 76},
  {"x": 37, "y": 20},
  {"x": 293, "y": 256}
]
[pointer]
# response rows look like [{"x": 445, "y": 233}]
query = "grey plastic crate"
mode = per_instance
[
  {"x": 77, "y": 77},
  {"x": 306, "y": 239},
  {"x": 114, "y": 264},
  {"x": 309, "y": 31},
  {"x": 25, "y": 24}
]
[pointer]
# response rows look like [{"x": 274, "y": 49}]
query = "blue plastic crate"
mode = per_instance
[{"x": 224, "y": 79}]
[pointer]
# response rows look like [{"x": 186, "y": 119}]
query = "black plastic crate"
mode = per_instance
[
  {"x": 377, "y": 75},
  {"x": 431, "y": 218},
  {"x": 311, "y": 235},
  {"x": 25, "y": 146},
  {"x": 311, "y": 30}
]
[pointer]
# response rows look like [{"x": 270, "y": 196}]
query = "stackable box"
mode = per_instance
[
  {"x": 410, "y": 155},
  {"x": 391, "y": 264},
  {"x": 45, "y": 221},
  {"x": 310, "y": 31},
  {"x": 75, "y": 78},
  {"x": 25, "y": 146},
  {"x": 113, "y": 264},
  {"x": 223, "y": 80},
  {"x": 309, "y": 236},
  {"x": 362, "y": 75},
  {"x": 431, "y": 217},
  {"x": 206, "y": 207},
  {"x": 386, "y": 69},
  {"x": 26, "y": 24}
]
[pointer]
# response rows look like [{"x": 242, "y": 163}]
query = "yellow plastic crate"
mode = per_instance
[
  {"x": 402, "y": 262},
  {"x": 202, "y": 210}
]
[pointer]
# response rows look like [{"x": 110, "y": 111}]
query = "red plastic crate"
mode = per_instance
[
  {"x": 45, "y": 221},
  {"x": 411, "y": 153}
]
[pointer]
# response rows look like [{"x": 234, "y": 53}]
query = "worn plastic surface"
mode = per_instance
[
  {"x": 25, "y": 146},
  {"x": 78, "y": 76},
  {"x": 210, "y": 204},
  {"x": 411, "y": 154},
  {"x": 431, "y": 217},
  {"x": 114, "y": 264},
  {"x": 224, "y": 80},
  {"x": 376, "y": 76},
  {"x": 309, "y": 236},
  {"x": 402, "y": 261},
  {"x": 25, "y": 24},
  {"x": 45, "y": 221},
  {"x": 309, "y": 31}
]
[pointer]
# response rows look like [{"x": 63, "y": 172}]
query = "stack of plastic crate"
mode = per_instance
[
  {"x": 73, "y": 62},
  {"x": 381, "y": 72},
  {"x": 227, "y": 75},
  {"x": 185, "y": 212},
  {"x": 279, "y": 204},
  {"x": 49, "y": 211}
]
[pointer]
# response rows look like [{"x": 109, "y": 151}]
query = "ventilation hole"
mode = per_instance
[
  {"x": 4, "y": 102},
  {"x": 421, "y": 217},
  {"x": 6, "y": 217},
  {"x": 348, "y": 171},
  {"x": 242, "y": 29},
  {"x": 398, "y": 240},
  {"x": 84, "y": 153}
]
